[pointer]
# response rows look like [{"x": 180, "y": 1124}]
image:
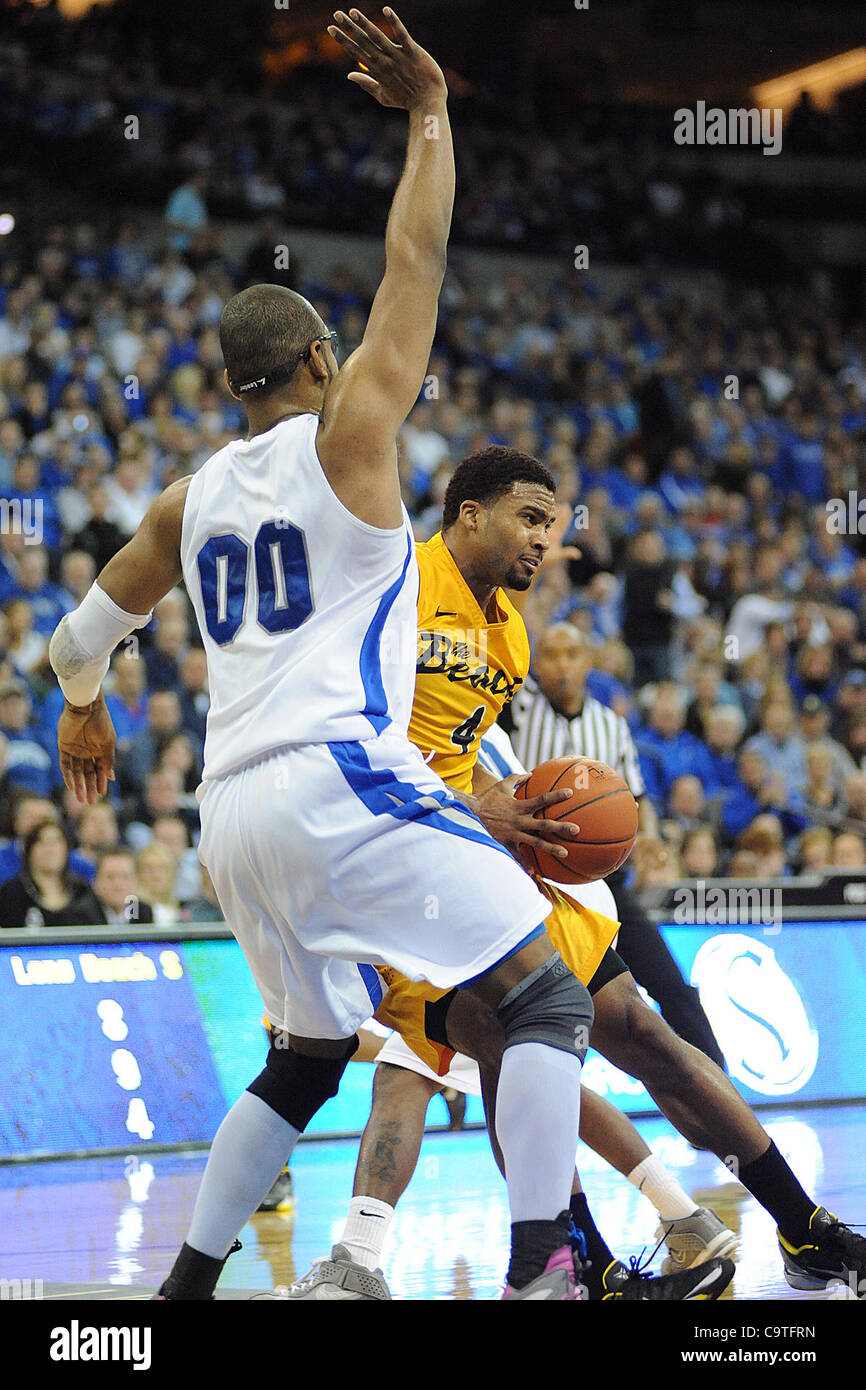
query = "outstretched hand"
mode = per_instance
[{"x": 400, "y": 73}]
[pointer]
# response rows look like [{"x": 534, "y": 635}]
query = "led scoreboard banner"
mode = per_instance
[
  {"x": 113, "y": 1040},
  {"x": 108, "y": 1042}
]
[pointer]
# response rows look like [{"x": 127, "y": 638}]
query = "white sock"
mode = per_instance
[
  {"x": 365, "y": 1230},
  {"x": 537, "y": 1118},
  {"x": 652, "y": 1178}
]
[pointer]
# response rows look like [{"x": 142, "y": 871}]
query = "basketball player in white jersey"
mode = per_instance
[{"x": 328, "y": 839}]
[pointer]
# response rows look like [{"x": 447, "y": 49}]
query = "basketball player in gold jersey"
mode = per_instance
[
  {"x": 473, "y": 654},
  {"x": 470, "y": 664}
]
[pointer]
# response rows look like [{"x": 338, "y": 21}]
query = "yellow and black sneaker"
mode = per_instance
[
  {"x": 706, "y": 1281},
  {"x": 281, "y": 1196},
  {"x": 833, "y": 1255}
]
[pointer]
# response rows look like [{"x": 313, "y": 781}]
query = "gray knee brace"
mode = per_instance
[{"x": 550, "y": 1006}]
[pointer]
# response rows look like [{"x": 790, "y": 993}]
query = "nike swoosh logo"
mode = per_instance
[
  {"x": 441, "y": 613},
  {"x": 378, "y": 1215}
]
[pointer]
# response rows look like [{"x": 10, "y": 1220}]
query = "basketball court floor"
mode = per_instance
[{"x": 110, "y": 1228}]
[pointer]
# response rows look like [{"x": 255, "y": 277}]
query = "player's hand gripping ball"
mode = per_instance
[{"x": 601, "y": 804}]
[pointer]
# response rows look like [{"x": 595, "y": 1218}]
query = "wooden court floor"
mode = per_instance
[{"x": 114, "y": 1225}]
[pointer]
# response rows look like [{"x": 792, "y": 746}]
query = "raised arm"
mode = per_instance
[
  {"x": 121, "y": 600},
  {"x": 374, "y": 391}
]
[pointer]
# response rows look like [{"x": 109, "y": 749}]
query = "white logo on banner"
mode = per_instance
[{"x": 756, "y": 1014}]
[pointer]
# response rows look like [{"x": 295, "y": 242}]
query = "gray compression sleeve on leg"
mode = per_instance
[{"x": 549, "y": 1006}]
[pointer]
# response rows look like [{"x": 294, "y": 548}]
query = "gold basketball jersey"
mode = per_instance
[{"x": 468, "y": 668}]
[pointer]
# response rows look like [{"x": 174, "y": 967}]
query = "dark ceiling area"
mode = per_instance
[
  {"x": 656, "y": 51},
  {"x": 643, "y": 50}
]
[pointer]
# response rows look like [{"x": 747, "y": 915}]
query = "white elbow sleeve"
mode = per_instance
[{"x": 83, "y": 641}]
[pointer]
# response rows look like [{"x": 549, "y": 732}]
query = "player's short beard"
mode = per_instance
[{"x": 515, "y": 580}]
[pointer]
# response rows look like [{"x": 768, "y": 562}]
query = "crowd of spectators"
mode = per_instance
[
  {"x": 119, "y": 107},
  {"x": 696, "y": 442}
]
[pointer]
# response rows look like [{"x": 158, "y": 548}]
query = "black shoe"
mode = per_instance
[
  {"x": 705, "y": 1281},
  {"x": 282, "y": 1194},
  {"x": 834, "y": 1255}
]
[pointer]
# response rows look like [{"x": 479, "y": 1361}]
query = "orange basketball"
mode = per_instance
[{"x": 601, "y": 804}]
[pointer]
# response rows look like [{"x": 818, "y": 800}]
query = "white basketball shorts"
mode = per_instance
[
  {"x": 462, "y": 1075},
  {"x": 328, "y": 859}
]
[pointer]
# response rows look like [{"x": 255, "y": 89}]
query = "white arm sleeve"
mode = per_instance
[{"x": 83, "y": 641}]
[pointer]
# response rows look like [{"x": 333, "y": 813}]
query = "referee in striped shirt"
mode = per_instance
[{"x": 552, "y": 716}]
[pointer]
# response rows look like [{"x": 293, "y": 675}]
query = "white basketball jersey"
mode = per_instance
[{"x": 308, "y": 615}]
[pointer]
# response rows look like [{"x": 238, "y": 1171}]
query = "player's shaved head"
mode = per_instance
[{"x": 263, "y": 328}]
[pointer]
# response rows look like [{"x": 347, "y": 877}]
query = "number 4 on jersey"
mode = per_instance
[{"x": 464, "y": 734}]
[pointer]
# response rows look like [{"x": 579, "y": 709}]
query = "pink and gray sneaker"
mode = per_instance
[{"x": 557, "y": 1282}]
